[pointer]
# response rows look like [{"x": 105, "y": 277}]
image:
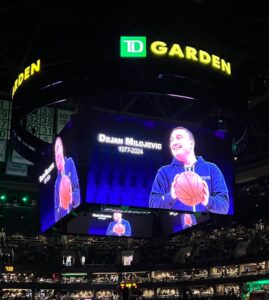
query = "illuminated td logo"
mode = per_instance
[{"x": 133, "y": 46}]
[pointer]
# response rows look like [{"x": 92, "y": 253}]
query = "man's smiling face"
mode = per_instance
[{"x": 181, "y": 144}]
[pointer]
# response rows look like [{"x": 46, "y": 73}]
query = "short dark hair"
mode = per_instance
[{"x": 190, "y": 134}]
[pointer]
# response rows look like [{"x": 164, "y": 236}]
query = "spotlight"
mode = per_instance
[
  {"x": 3, "y": 197},
  {"x": 25, "y": 199}
]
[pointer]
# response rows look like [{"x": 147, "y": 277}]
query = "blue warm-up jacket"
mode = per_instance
[
  {"x": 160, "y": 196},
  {"x": 70, "y": 171}
]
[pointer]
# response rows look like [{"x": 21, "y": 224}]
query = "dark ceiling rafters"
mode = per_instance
[{"x": 62, "y": 32}]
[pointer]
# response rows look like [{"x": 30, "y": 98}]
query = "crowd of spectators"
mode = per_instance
[
  {"x": 207, "y": 292},
  {"x": 20, "y": 294},
  {"x": 168, "y": 276},
  {"x": 203, "y": 254},
  {"x": 230, "y": 242}
]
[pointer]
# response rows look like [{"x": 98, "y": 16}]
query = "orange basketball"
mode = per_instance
[
  {"x": 119, "y": 229},
  {"x": 187, "y": 219},
  {"x": 65, "y": 191},
  {"x": 189, "y": 188}
]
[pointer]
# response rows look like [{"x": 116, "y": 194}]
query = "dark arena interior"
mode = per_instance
[{"x": 95, "y": 100}]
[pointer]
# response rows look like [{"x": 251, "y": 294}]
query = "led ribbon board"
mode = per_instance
[
  {"x": 28, "y": 72},
  {"x": 136, "y": 46}
]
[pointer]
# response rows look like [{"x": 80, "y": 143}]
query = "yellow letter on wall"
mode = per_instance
[
  {"x": 158, "y": 48},
  {"x": 176, "y": 51},
  {"x": 35, "y": 67}
]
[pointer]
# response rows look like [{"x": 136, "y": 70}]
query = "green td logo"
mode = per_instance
[{"x": 133, "y": 46}]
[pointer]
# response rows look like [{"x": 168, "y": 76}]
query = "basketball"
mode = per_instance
[
  {"x": 187, "y": 220},
  {"x": 189, "y": 188},
  {"x": 119, "y": 229},
  {"x": 65, "y": 192}
]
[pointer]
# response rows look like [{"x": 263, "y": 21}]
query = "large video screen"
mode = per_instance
[
  {"x": 59, "y": 178},
  {"x": 111, "y": 223},
  {"x": 158, "y": 164},
  {"x": 117, "y": 223},
  {"x": 173, "y": 222}
]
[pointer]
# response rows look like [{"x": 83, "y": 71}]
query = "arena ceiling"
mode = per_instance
[{"x": 62, "y": 32}]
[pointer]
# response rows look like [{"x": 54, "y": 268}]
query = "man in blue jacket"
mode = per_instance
[
  {"x": 216, "y": 196},
  {"x": 119, "y": 227},
  {"x": 66, "y": 168}
]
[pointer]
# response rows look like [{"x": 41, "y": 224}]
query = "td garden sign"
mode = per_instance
[{"x": 136, "y": 46}]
